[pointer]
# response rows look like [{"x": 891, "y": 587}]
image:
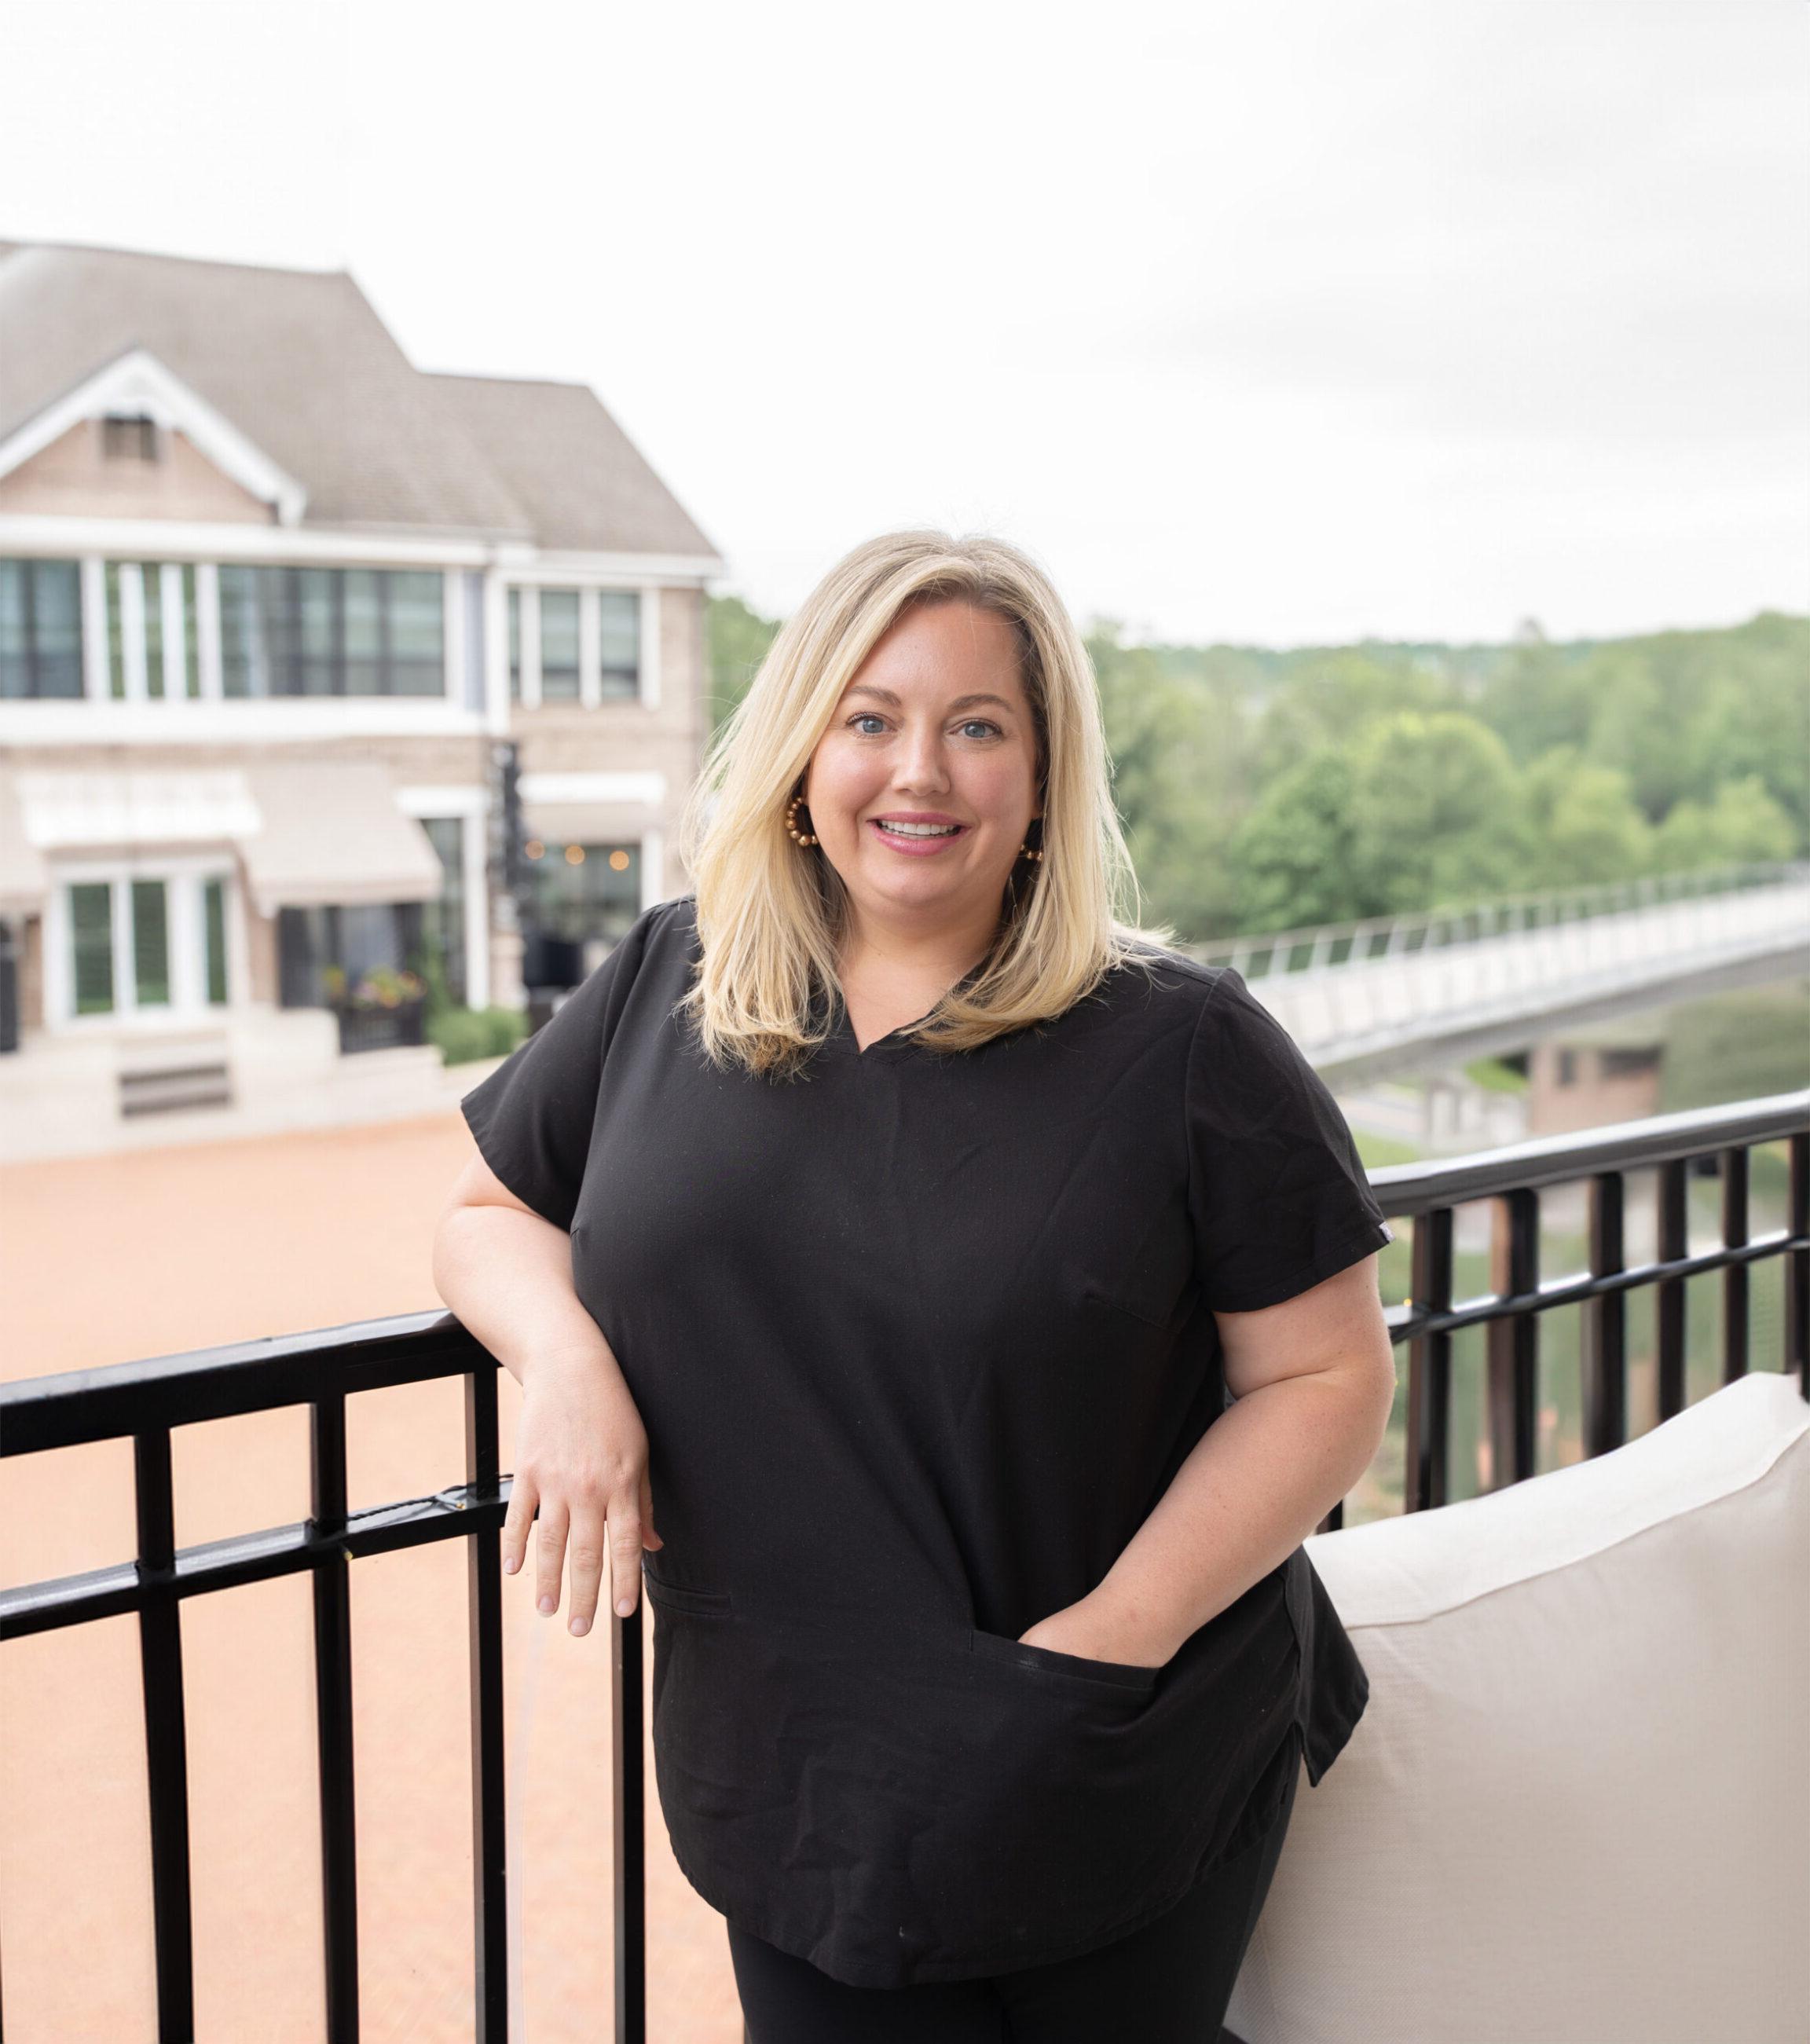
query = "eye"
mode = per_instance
[
  {"x": 867, "y": 716},
  {"x": 985, "y": 723}
]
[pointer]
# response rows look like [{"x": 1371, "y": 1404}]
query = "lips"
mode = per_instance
[{"x": 919, "y": 843}]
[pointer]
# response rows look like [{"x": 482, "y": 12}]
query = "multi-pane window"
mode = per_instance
[
  {"x": 332, "y": 632},
  {"x": 443, "y": 922},
  {"x": 557, "y": 622},
  {"x": 619, "y": 639},
  {"x": 213, "y": 939},
  {"x": 151, "y": 943},
  {"x": 40, "y": 629},
  {"x": 91, "y": 946},
  {"x": 128, "y": 439},
  {"x": 153, "y": 628},
  {"x": 324, "y": 952},
  {"x": 586, "y": 890},
  {"x": 139, "y": 941},
  {"x": 559, "y": 645}
]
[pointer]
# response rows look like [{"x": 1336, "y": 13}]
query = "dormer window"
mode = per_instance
[{"x": 128, "y": 437}]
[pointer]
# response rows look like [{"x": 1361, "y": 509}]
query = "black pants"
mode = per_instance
[{"x": 1167, "y": 1983}]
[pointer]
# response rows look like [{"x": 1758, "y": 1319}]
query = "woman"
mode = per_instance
[{"x": 926, "y": 1220}]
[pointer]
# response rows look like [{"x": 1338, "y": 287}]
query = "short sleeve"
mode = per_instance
[
  {"x": 1279, "y": 1197},
  {"x": 532, "y": 1118}
]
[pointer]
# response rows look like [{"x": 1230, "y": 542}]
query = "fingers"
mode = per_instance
[
  {"x": 625, "y": 1552},
  {"x": 587, "y": 1540},
  {"x": 549, "y": 1554},
  {"x": 585, "y": 1554},
  {"x": 516, "y": 1520}
]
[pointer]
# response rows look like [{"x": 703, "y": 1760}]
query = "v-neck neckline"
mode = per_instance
[{"x": 842, "y": 1029}]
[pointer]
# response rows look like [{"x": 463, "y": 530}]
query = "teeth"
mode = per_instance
[{"x": 921, "y": 830}]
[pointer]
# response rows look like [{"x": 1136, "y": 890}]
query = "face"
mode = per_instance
[{"x": 933, "y": 731}]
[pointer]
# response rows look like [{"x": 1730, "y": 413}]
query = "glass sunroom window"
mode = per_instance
[
  {"x": 619, "y": 635},
  {"x": 91, "y": 946},
  {"x": 151, "y": 943},
  {"x": 559, "y": 645},
  {"x": 40, "y": 629},
  {"x": 333, "y": 631}
]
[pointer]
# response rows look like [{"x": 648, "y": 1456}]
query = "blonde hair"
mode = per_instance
[{"x": 771, "y": 914}]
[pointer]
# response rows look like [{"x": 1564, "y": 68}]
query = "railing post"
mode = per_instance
[
  {"x": 1429, "y": 1366},
  {"x": 1670, "y": 1323},
  {"x": 166, "y": 1740},
  {"x": 1736, "y": 1288},
  {"x": 1797, "y": 1263},
  {"x": 1514, "y": 1339},
  {"x": 484, "y": 1660},
  {"x": 1605, "y": 1348},
  {"x": 630, "y": 1816},
  {"x": 333, "y": 1719}
]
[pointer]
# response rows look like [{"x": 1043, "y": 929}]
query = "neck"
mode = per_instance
[{"x": 910, "y": 950}]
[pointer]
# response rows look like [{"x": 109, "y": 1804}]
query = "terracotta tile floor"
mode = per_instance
[{"x": 150, "y": 1253}]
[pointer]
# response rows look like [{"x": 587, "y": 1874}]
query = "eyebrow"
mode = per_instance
[{"x": 888, "y": 696}]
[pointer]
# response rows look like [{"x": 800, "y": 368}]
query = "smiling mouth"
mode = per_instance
[{"x": 919, "y": 830}]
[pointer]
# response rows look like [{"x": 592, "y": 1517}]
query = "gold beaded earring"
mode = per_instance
[
  {"x": 792, "y": 830},
  {"x": 1027, "y": 850}
]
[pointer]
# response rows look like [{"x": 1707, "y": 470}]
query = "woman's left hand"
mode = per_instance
[{"x": 1098, "y": 1630}]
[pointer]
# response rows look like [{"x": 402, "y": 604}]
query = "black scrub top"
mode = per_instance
[{"x": 919, "y": 1339}]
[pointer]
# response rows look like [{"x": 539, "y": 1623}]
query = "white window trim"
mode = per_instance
[
  {"x": 469, "y": 805},
  {"x": 650, "y": 645},
  {"x": 183, "y": 876},
  {"x": 496, "y": 711},
  {"x": 137, "y": 382},
  {"x": 175, "y": 632},
  {"x": 590, "y": 651},
  {"x": 97, "y": 676},
  {"x": 452, "y": 636},
  {"x": 208, "y": 658},
  {"x": 531, "y": 648}
]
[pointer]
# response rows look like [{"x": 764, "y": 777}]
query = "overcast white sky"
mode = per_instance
[{"x": 1286, "y": 320}]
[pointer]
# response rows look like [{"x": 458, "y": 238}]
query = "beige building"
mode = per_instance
[{"x": 281, "y": 616}]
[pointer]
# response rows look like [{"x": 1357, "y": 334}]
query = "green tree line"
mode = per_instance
[{"x": 1262, "y": 790}]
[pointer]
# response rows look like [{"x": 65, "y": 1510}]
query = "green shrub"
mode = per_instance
[{"x": 465, "y": 1034}]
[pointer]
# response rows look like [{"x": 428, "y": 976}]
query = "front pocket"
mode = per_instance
[
  {"x": 1071, "y": 1667},
  {"x": 704, "y": 1602}
]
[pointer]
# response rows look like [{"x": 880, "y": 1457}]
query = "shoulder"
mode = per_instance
[
  {"x": 1151, "y": 984},
  {"x": 663, "y": 941},
  {"x": 671, "y": 924}
]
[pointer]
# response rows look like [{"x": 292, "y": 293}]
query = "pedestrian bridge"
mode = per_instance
[{"x": 1367, "y": 1000}]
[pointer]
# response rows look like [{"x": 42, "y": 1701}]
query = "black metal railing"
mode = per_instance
[
  {"x": 1717, "y": 1142},
  {"x": 145, "y": 1401}
]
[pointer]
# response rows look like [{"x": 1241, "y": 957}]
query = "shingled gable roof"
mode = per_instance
[
  {"x": 585, "y": 483},
  {"x": 300, "y": 363}
]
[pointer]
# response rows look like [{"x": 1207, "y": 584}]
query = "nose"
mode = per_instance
[{"x": 922, "y": 763}]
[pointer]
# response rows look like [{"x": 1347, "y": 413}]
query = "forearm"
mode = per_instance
[
  {"x": 508, "y": 1277},
  {"x": 1257, "y": 1482}
]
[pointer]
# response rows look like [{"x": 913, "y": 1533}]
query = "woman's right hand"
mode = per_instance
[{"x": 582, "y": 1464}]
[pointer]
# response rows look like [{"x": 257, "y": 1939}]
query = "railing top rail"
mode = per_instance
[{"x": 116, "y": 1399}]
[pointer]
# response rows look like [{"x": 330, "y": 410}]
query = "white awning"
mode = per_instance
[
  {"x": 307, "y": 832},
  {"x": 23, "y": 879},
  {"x": 90, "y": 809},
  {"x": 590, "y": 823},
  {"x": 330, "y": 832}
]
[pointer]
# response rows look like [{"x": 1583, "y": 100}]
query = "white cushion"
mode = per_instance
[{"x": 1577, "y": 1809}]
